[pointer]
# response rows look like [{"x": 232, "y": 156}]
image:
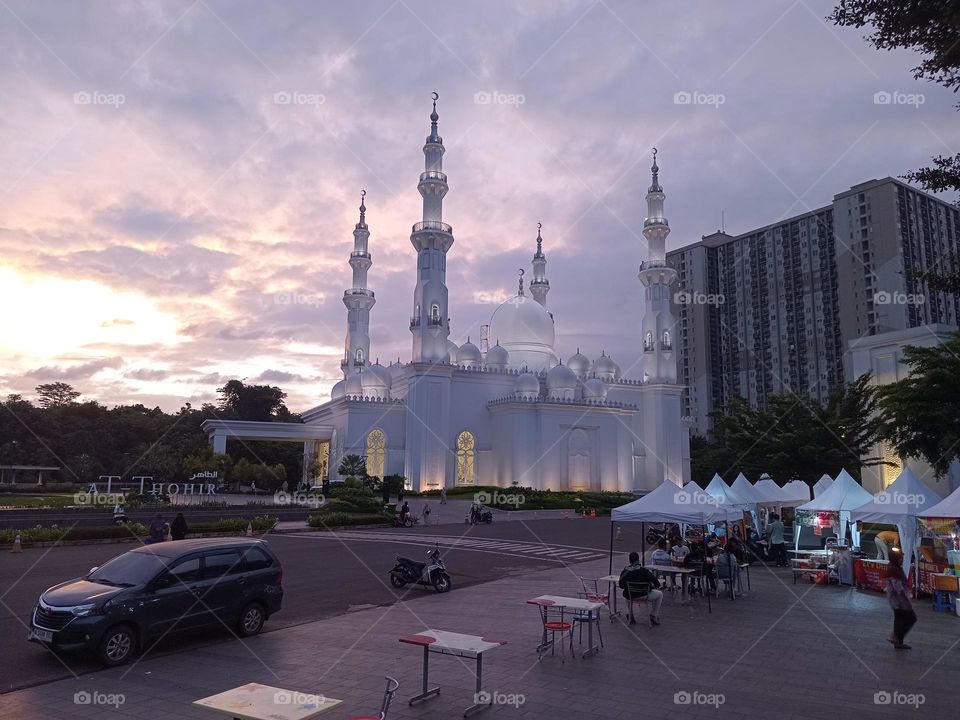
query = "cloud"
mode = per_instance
[
  {"x": 82, "y": 371},
  {"x": 279, "y": 376},
  {"x": 147, "y": 374}
]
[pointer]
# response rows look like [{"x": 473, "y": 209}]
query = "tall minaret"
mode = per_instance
[
  {"x": 540, "y": 286},
  {"x": 358, "y": 298},
  {"x": 432, "y": 237},
  {"x": 659, "y": 364}
]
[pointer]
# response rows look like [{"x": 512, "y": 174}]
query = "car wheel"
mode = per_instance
[
  {"x": 251, "y": 620},
  {"x": 117, "y": 645}
]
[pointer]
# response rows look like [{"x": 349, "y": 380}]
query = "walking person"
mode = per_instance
[
  {"x": 119, "y": 516},
  {"x": 157, "y": 528},
  {"x": 443, "y": 495},
  {"x": 898, "y": 595},
  {"x": 426, "y": 513},
  {"x": 777, "y": 545},
  {"x": 178, "y": 528}
]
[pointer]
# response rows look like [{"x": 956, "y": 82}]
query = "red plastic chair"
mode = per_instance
[{"x": 554, "y": 622}]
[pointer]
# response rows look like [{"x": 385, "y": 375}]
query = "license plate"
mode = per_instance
[{"x": 41, "y": 635}]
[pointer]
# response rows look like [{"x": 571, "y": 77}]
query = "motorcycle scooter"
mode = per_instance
[{"x": 431, "y": 574}]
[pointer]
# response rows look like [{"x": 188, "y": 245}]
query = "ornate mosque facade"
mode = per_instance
[{"x": 513, "y": 415}]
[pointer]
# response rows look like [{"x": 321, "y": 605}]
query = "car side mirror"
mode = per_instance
[{"x": 162, "y": 582}]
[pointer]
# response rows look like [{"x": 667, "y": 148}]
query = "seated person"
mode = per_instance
[
  {"x": 727, "y": 565},
  {"x": 637, "y": 573},
  {"x": 885, "y": 540},
  {"x": 662, "y": 557},
  {"x": 698, "y": 559}
]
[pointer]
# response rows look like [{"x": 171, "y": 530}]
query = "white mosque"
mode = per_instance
[{"x": 513, "y": 415}]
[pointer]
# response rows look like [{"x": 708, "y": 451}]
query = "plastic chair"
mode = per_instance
[
  {"x": 591, "y": 587},
  {"x": 388, "y": 693},
  {"x": 638, "y": 592},
  {"x": 581, "y": 617},
  {"x": 554, "y": 621}
]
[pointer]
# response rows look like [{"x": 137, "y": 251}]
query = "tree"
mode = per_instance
[
  {"x": 56, "y": 394},
  {"x": 921, "y": 414},
  {"x": 932, "y": 28},
  {"x": 253, "y": 402},
  {"x": 353, "y": 466}
]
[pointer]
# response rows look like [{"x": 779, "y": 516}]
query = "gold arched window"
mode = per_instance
[
  {"x": 466, "y": 459},
  {"x": 376, "y": 452}
]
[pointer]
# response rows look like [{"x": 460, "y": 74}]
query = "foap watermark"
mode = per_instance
[
  {"x": 895, "y": 97},
  {"x": 485, "y": 97},
  {"x": 899, "y": 498},
  {"x": 295, "y": 97},
  {"x": 897, "y": 298},
  {"x": 895, "y": 697},
  {"x": 84, "y": 697},
  {"x": 498, "y": 498},
  {"x": 303, "y": 499},
  {"x": 695, "y": 697},
  {"x": 98, "y": 498},
  {"x": 301, "y": 700},
  {"x": 686, "y": 97},
  {"x": 486, "y": 697},
  {"x": 682, "y": 497},
  {"x": 492, "y": 297},
  {"x": 297, "y": 299},
  {"x": 695, "y": 297},
  {"x": 95, "y": 97}
]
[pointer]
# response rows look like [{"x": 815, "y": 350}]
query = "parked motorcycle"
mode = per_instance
[
  {"x": 432, "y": 574},
  {"x": 409, "y": 521},
  {"x": 654, "y": 534}
]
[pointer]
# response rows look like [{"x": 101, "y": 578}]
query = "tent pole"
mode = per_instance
[
  {"x": 705, "y": 585},
  {"x": 643, "y": 543},
  {"x": 610, "y": 569},
  {"x": 726, "y": 525}
]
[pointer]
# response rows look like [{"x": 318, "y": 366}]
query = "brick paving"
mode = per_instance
[{"x": 783, "y": 650}]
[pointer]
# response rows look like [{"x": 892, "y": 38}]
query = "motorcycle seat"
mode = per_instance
[{"x": 412, "y": 563}]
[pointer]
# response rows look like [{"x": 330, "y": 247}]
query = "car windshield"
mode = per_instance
[{"x": 131, "y": 568}]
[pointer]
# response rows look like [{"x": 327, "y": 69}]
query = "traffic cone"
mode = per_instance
[
  {"x": 17, "y": 547},
  {"x": 249, "y": 532},
  {"x": 593, "y": 514},
  {"x": 619, "y": 533},
  {"x": 566, "y": 514}
]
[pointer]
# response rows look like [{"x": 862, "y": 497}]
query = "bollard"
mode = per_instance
[
  {"x": 17, "y": 546},
  {"x": 249, "y": 532}
]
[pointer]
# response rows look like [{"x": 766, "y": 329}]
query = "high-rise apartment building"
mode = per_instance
[{"x": 775, "y": 309}]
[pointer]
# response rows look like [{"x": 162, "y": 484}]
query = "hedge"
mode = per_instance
[
  {"x": 338, "y": 519},
  {"x": 260, "y": 524}
]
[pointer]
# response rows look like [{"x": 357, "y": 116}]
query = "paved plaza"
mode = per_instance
[{"x": 781, "y": 650}]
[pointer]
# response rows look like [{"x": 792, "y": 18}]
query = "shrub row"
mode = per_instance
[
  {"x": 260, "y": 524},
  {"x": 339, "y": 519}
]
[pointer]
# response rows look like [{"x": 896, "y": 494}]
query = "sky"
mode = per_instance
[{"x": 179, "y": 180}]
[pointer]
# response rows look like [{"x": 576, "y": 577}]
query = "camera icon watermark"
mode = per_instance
[
  {"x": 695, "y": 297},
  {"x": 301, "y": 700},
  {"x": 895, "y": 97},
  {"x": 498, "y": 498},
  {"x": 895, "y": 697},
  {"x": 285, "y": 298},
  {"x": 84, "y": 697},
  {"x": 95, "y": 97},
  {"x": 695, "y": 97},
  {"x": 883, "y": 297},
  {"x": 683, "y": 497},
  {"x": 495, "y": 697},
  {"x": 695, "y": 697},
  {"x": 301, "y": 499},
  {"x": 901, "y": 499},
  {"x": 295, "y": 97},
  {"x": 485, "y": 97},
  {"x": 98, "y": 498}
]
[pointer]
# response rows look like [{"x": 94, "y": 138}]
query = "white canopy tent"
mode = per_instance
[
  {"x": 724, "y": 494},
  {"x": 769, "y": 494},
  {"x": 669, "y": 503},
  {"x": 797, "y": 491},
  {"x": 900, "y": 504},
  {"x": 949, "y": 507},
  {"x": 843, "y": 495},
  {"x": 822, "y": 485}
]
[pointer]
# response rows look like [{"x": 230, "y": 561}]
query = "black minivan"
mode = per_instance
[{"x": 161, "y": 588}]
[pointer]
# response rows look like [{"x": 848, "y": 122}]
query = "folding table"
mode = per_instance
[
  {"x": 254, "y": 701},
  {"x": 569, "y": 603}
]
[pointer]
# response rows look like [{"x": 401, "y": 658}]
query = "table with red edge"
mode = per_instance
[
  {"x": 457, "y": 645},
  {"x": 569, "y": 603}
]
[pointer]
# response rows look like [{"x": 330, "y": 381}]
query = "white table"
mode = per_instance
[
  {"x": 254, "y": 701},
  {"x": 613, "y": 584},
  {"x": 457, "y": 645},
  {"x": 673, "y": 569},
  {"x": 568, "y": 603}
]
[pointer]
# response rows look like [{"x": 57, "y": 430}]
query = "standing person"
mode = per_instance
[
  {"x": 886, "y": 540},
  {"x": 637, "y": 573},
  {"x": 167, "y": 537},
  {"x": 443, "y": 495},
  {"x": 404, "y": 512},
  {"x": 426, "y": 513},
  {"x": 775, "y": 535},
  {"x": 400, "y": 494},
  {"x": 178, "y": 529},
  {"x": 119, "y": 516},
  {"x": 895, "y": 585},
  {"x": 157, "y": 529}
]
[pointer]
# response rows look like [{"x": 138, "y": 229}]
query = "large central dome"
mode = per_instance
[{"x": 524, "y": 327}]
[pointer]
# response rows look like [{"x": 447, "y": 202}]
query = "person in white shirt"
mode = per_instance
[
  {"x": 662, "y": 557},
  {"x": 680, "y": 551}
]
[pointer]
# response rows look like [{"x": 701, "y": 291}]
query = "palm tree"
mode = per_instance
[{"x": 353, "y": 466}]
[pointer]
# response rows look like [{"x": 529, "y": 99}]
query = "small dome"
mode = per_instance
[
  {"x": 617, "y": 372},
  {"x": 338, "y": 390},
  {"x": 527, "y": 386},
  {"x": 379, "y": 375},
  {"x": 561, "y": 376},
  {"x": 469, "y": 355},
  {"x": 451, "y": 351},
  {"x": 580, "y": 364},
  {"x": 497, "y": 357},
  {"x": 594, "y": 389},
  {"x": 604, "y": 367},
  {"x": 353, "y": 384}
]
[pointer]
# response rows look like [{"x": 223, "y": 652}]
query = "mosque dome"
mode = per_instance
[
  {"x": 376, "y": 382},
  {"x": 338, "y": 390},
  {"x": 594, "y": 389},
  {"x": 497, "y": 357},
  {"x": 579, "y": 363},
  {"x": 617, "y": 372},
  {"x": 469, "y": 355},
  {"x": 604, "y": 367},
  {"x": 451, "y": 351},
  {"x": 527, "y": 386},
  {"x": 561, "y": 383},
  {"x": 524, "y": 327},
  {"x": 353, "y": 384}
]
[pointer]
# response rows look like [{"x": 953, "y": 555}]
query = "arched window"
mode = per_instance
[
  {"x": 376, "y": 452},
  {"x": 667, "y": 345},
  {"x": 648, "y": 341},
  {"x": 435, "y": 311},
  {"x": 359, "y": 355},
  {"x": 466, "y": 459}
]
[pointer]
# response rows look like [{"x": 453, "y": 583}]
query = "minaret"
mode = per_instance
[
  {"x": 432, "y": 238},
  {"x": 358, "y": 299},
  {"x": 658, "y": 325},
  {"x": 540, "y": 286}
]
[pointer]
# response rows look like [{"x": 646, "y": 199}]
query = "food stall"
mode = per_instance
[
  {"x": 831, "y": 509},
  {"x": 940, "y": 545}
]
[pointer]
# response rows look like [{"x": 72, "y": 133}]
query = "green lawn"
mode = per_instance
[{"x": 35, "y": 501}]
